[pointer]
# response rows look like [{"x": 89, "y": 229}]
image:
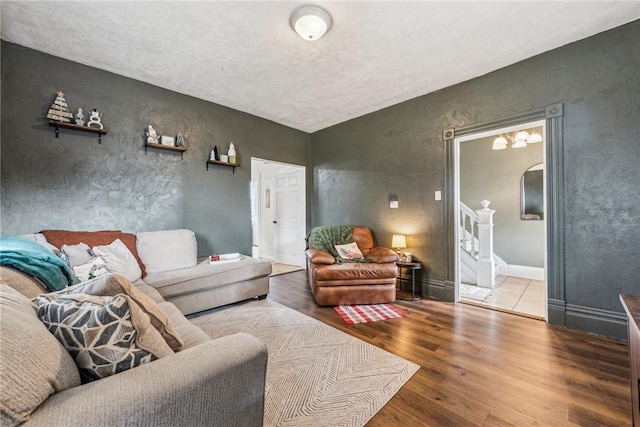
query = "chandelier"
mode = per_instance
[{"x": 518, "y": 139}]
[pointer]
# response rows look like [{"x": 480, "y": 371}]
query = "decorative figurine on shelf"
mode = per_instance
[
  {"x": 95, "y": 119},
  {"x": 59, "y": 110},
  {"x": 232, "y": 153},
  {"x": 213, "y": 155},
  {"x": 215, "y": 152},
  {"x": 180, "y": 140},
  {"x": 80, "y": 117},
  {"x": 152, "y": 135}
]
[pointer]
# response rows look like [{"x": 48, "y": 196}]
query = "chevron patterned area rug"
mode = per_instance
[
  {"x": 316, "y": 374},
  {"x": 367, "y": 313}
]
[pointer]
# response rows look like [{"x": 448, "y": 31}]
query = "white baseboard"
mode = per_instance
[{"x": 535, "y": 273}]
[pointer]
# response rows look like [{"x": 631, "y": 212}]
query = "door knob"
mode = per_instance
[{"x": 275, "y": 222}]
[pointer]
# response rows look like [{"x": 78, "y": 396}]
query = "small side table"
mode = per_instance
[{"x": 413, "y": 266}]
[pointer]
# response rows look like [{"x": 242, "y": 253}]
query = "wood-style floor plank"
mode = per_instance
[{"x": 486, "y": 368}]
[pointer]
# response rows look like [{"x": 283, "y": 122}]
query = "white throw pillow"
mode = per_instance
[
  {"x": 349, "y": 251},
  {"x": 119, "y": 259},
  {"x": 167, "y": 250},
  {"x": 77, "y": 254},
  {"x": 94, "y": 268},
  {"x": 39, "y": 238}
]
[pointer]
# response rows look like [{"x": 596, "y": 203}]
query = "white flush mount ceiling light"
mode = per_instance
[
  {"x": 311, "y": 22},
  {"x": 518, "y": 139}
]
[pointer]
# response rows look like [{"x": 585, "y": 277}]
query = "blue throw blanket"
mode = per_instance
[{"x": 36, "y": 260}]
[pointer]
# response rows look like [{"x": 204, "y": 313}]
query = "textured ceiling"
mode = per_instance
[{"x": 244, "y": 55}]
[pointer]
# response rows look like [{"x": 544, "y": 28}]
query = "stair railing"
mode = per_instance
[
  {"x": 468, "y": 230},
  {"x": 476, "y": 238}
]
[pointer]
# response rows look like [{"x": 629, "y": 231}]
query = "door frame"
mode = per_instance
[
  {"x": 456, "y": 152},
  {"x": 255, "y": 176},
  {"x": 553, "y": 117}
]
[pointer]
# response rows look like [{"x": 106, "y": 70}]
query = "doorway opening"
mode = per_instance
[
  {"x": 278, "y": 211},
  {"x": 500, "y": 220}
]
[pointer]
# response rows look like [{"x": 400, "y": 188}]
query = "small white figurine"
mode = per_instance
[
  {"x": 180, "y": 140},
  {"x": 213, "y": 155},
  {"x": 80, "y": 117},
  {"x": 232, "y": 153},
  {"x": 95, "y": 119},
  {"x": 152, "y": 135}
]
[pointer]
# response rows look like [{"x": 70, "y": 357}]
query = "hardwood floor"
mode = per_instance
[{"x": 486, "y": 368}]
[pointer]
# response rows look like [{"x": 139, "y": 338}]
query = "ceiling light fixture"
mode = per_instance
[
  {"x": 310, "y": 22},
  {"x": 518, "y": 139}
]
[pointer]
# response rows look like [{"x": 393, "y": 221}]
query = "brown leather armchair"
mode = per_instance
[{"x": 345, "y": 283}]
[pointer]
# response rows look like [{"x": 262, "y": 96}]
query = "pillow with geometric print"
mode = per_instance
[
  {"x": 104, "y": 335},
  {"x": 349, "y": 251}
]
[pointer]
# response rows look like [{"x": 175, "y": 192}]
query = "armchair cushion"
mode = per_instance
[
  {"x": 316, "y": 256},
  {"x": 382, "y": 255}
]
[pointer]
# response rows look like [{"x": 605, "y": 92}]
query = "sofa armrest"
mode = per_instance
[
  {"x": 316, "y": 256},
  {"x": 220, "y": 382},
  {"x": 382, "y": 255}
]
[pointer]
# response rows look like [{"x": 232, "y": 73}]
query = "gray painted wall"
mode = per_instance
[
  {"x": 400, "y": 150},
  {"x": 495, "y": 175},
  {"x": 75, "y": 183}
]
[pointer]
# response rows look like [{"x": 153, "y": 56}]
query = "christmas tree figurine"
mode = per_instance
[{"x": 59, "y": 110}]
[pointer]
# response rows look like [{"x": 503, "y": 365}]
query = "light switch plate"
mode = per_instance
[
  {"x": 438, "y": 195},
  {"x": 393, "y": 204}
]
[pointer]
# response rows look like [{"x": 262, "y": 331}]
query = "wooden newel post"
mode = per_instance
[{"x": 486, "y": 271}]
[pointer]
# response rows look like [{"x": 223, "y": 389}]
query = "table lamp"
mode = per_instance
[{"x": 399, "y": 241}]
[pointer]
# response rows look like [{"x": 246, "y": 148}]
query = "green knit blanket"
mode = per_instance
[
  {"x": 34, "y": 259},
  {"x": 325, "y": 237}
]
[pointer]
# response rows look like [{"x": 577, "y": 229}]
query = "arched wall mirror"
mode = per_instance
[{"x": 532, "y": 193}]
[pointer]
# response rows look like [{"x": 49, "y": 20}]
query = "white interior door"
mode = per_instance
[
  {"x": 288, "y": 219},
  {"x": 267, "y": 216}
]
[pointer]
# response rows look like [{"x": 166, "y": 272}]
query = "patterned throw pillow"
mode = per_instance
[
  {"x": 114, "y": 284},
  {"x": 349, "y": 251},
  {"x": 104, "y": 335},
  {"x": 94, "y": 268}
]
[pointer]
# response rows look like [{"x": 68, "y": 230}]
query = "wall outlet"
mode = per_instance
[
  {"x": 438, "y": 195},
  {"x": 393, "y": 204}
]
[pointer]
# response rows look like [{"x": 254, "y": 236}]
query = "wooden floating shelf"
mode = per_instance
[
  {"x": 217, "y": 162},
  {"x": 73, "y": 126},
  {"x": 181, "y": 150}
]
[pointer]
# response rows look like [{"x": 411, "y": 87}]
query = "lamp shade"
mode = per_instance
[
  {"x": 500, "y": 143},
  {"x": 399, "y": 241},
  {"x": 519, "y": 144},
  {"x": 310, "y": 22},
  {"x": 534, "y": 137},
  {"x": 521, "y": 136}
]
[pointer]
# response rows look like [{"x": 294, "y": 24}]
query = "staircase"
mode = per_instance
[{"x": 478, "y": 263}]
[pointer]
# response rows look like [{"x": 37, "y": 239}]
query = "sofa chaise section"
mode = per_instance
[
  {"x": 193, "y": 289},
  {"x": 196, "y": 285}
]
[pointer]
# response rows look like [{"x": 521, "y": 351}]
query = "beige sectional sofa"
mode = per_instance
[{"x": 204, "y": 382}]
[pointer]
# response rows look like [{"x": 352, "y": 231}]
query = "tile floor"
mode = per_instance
[{"x": 517, "y": 294}]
